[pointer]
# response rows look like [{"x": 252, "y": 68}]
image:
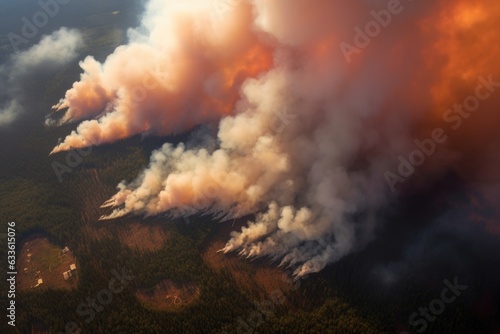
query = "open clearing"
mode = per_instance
[
  {"x": 145, "y": 238},
  {"x": 168, "y": 296},
  {"x": 39, "y": 259}
]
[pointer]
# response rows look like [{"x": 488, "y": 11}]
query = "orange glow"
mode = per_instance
[
  {"x": 467, "y": 47},
  {"x": 463, "y": 46},
  {"x": 467, "y": 15},
  {"x": 256, "y": 60}
]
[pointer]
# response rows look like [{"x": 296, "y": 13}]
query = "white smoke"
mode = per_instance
[
  {"x": 184, "y": 66},
  {"x": 306, "y": 144},
  {"x": 51, "y": 52}
]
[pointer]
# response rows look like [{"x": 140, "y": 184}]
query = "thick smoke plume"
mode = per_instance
[
  {"x": 182, "y": 68},
  {"x": 311, "y": 114}
]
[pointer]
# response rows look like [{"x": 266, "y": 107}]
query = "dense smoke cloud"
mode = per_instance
[
  {"x": 307, "y": 127},
  {"x": 52, "y": 51},
  {"x": 182, "y": 68}
]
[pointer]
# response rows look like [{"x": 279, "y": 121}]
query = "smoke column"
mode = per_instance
[
  {"x": 306, "y": 129},
  {"x": 182, "y": 68}
]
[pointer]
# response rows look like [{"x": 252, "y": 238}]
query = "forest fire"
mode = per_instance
[{"x": 316, "y": 186}]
